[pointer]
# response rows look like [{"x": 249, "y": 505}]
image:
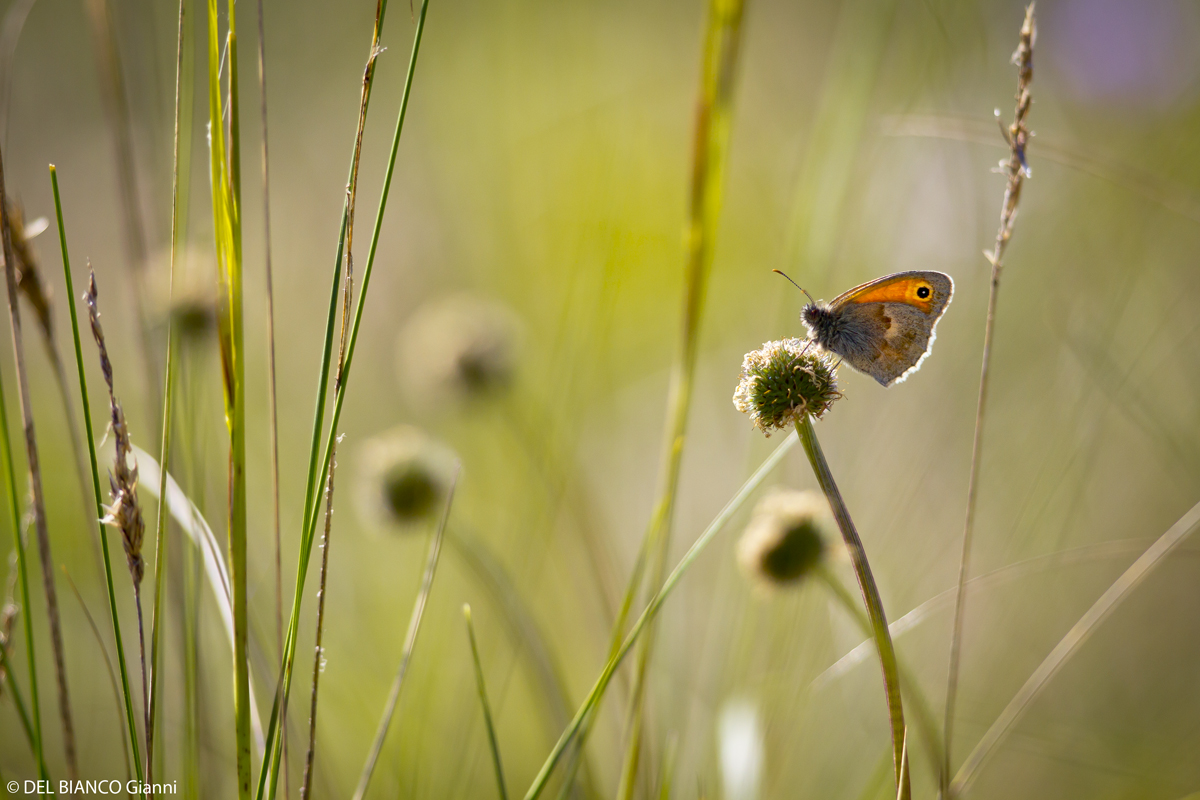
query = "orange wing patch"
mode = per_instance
[{"x": 901, "y": 289}]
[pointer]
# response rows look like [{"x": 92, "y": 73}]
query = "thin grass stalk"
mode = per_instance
[
  {"x": 493, "y": 745},
  {"x": 318, "y": 649},
  {"x": 410, "y": 640},
  {"x": 711, "y": 146},
  {"x": 35, "y": 474},
  {"x": 272, "y": 396},
  {"x": 10, "y": 481},
  {"x": 225, "y": 165},
  {"x": 19, "y": 704},
  {"x": 160, "y": 544},
  {"x": 308, "y": 531},
  {"x": 916, "y": 698},
  {"x": 114, "y": 617},
  {"x": 601, "y": 685},
  {"x": 1016, "y": 169},
  {"x": 1070, "y": 644},
  {"x": 108, "y": 667},
  {"x": 870, "y": 595}
]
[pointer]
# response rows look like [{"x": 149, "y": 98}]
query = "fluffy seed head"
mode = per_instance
[
  {"x": 403, "y": 478},
  {"x": 784, "y": 380},
  {"x": 457, "y": 348},
  {"x": 785, "y": 538}
]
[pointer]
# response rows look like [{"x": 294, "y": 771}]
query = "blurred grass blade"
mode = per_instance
[
  {"x": 410, "y": 641},
  {"x": 189, "y": 519},
  {"x": 34, "y": 738},
  {"x": 10, "y": 481},
  {"x": 483, "y": 701},
  {"x": 114, "y": 616},
  {"x": 1069, "y": 644},
  {"x": 601, "y": 684},
  {"x": 713, "y": 118}
]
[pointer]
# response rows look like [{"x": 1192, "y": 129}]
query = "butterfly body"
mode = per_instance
[{"x": 886, "y": 327}]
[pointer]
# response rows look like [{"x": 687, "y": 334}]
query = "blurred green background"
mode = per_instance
[{"x": 545, "y": 167}]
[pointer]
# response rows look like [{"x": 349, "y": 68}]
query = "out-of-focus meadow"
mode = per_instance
[{"x": 536, "y": 214}]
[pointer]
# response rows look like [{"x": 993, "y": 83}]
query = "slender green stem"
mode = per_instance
[
  {"x": 598, "y": 688},
  {"x": 487, "y": 709},
  {"x": 160, "y": 536},
  {"x": 35, "y": 480},
  {"x": 1018, "y": 136},
  {"x": 916, "y": 698},
  {"x": 10, "y": 481},
  {"x": 410, "y": 643},
  {"x": 711, "y": 147},
  {"x": 309, "y": 529},
  {"x": 131, "y": 727},
  {"x": 1070, "y": 644},
  {"x": 33, "y": 737},
  {"x": 870, "y": 594}
]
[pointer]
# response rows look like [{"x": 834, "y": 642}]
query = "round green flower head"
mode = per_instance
[
  {"x": 785, "y": 539},
  {"x": 403, "y": 480},
  {"x": 784, "y": 380}
]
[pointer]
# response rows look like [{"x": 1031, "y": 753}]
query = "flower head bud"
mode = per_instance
[
  {"x": 403, "y": 478},
  {"x": 785, "y": 539},
  {"x": 783, "y": 381},
  {"x": 461, "y": 347}
]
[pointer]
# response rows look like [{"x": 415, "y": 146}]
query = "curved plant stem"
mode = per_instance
[
  {"x": 131, "y": 727},
  {"x": 410, "y": 643},
  {"x": 870, "y": 595},
  {"x": 1069, "y": 644},
  {"x": 1016, "y": 170},
  {"x": 35, "y": 475},
  {"x": 916, "y": 698},
  {"x": 598, "y": 688},
  {"x": 722, "y": 42}
]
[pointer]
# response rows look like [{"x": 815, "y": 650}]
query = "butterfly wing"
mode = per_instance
[{"x": 886, "y": 327}]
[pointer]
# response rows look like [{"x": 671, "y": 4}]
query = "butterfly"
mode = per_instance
[{"x": 883, "y": 328}]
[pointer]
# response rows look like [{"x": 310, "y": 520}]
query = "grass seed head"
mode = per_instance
[
  {"x": 784, "y": 380},
  {"x": 785, "y": 539},
  {"x": 404, "y": 477}
]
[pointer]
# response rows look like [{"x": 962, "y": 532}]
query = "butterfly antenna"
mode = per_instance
[{"x": 798, "y": 286}]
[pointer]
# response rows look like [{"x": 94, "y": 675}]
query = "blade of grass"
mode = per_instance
[
  {"x": 870, "y": 596},
  {"x": 308, "y": 531},
  {"x": 31, "y": 736},
  {"x": 601, "y": 684},
  {"x": 35, "y": 475},
  {"x": 410, "y": 641},
  {"x": 10, "y": 481},
  {"x": 1070, "y": 644},
  {"x": 1016, "y": 170},
  {"x": 160, "y": 536},
  {"x": 711, "y": 148},
  {"x": 483, "y": 701},
  {"x": 91, "y": 442}
]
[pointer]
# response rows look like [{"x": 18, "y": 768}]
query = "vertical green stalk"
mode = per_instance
[
  {"x": 160, "y": 543},
  {"x": 309, "y": 529},
  {"x": 487, "y": 709},
  {"x": 870, "y": 594},
  {"x": 10, "y": 480},
  {"x": 225, "y": 165},
  {"x": 711, "y": 146},
  {"x": 130, "y": 726}
]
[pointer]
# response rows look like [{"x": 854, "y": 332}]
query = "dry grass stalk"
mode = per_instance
[
  {"x": 124, "y": 513},
  {"x": 1016, "y": 169},
  {"x": 38, "y": 506}
]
